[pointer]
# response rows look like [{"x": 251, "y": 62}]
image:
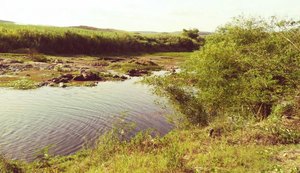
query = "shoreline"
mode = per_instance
[{"x": 26, "y": 71}]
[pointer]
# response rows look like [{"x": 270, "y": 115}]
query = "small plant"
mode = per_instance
[
  {"x": 90, "y": 84},
  {"x": 38, "y": 58},
  {"x": 62, "y": 68},
  {"x": 283, "y": 134},
  {"x": 7, "y": 166},
  {"x": 23, "y": 84}
]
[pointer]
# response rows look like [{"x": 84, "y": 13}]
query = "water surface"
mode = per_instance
[{"x": 67, "y": 118}]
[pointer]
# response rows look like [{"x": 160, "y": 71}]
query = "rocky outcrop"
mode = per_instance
[
  {"x": 14, "y": 65},
  {"x": 58, "y": 80},
  {"x": 87, "y": 76},
  {"x": 62, "y": 85},
  {"x": 137, "y": 72},
  {"x": 120, "y": 77},
  {"x": 4, "y": 66},
  {"x": 66, "y": 78},
  {"x": 63, "y": 78}
]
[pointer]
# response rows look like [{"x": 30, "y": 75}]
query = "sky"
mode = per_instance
[{"x": 143, "y": 15}]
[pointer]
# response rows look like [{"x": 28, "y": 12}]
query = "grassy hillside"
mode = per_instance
[
  {"x": 5, "y": 21},
  {"x": 86, "y": 40}
]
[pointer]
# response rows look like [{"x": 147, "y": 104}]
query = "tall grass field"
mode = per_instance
[{"x": 87, "y": 40}]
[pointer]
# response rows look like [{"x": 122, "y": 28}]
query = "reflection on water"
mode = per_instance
[{"x": 67, "y": 118}]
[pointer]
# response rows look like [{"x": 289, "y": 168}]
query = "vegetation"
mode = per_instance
[
  {"x": 239, "y": 146},
  {"x": 125, "y": 67},
  {"x": 238, "y": 108},
  {"x": 46, "y": 70},
  {"x": 21, "y": 84},
  {"x": 246, "y": 68},
  {"x": 82, "y": 40},
  {"x": 193, "y": 34}
]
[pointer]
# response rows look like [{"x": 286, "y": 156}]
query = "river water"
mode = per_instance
[{"x": 66, "y": 118}]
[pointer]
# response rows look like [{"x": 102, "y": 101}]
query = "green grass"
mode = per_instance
[
  {"x": 75, "y": 41},
  {"x": 125, "y": 67},
  {"x": 225, "y": 138},
  {"x": 174, "y": 54},
  {"x": 241, "y": 146},
  {"x": 21, "y": 84}
]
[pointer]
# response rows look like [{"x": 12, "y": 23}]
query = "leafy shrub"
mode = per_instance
[
  {"x": 246, "y": 68},
  {"x": 283, "y": 132},
  {"x": 7, "y": 166},
  {"x": 191, "y": 33},
  {"x": 23, "y": 84},
  {"x": 38, "y": 58}
]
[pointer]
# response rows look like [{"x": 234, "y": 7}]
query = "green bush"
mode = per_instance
[
  {"x": 23, "y": 84},
  {"x": 38, "y": 58},
  {"x": 246, "y": 68}
]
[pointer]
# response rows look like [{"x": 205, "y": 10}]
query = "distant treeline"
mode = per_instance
[{"x": 62, "y": 40}]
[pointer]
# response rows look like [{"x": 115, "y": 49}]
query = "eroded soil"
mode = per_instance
[{"x": 79, "y": 70}]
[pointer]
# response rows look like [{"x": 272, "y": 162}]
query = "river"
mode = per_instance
[{"x": 66, "y": 118}]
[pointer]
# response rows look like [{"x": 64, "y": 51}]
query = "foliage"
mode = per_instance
[
  {"x": 127, "y": 66},
  {"x": 22, "y": 84},
  {"x": 7, "y": 166},
  {"x": 237, "y": 148},
  {"x": 191, "y": 33},
  {"x": 38, "y": 58},
  {"x": 173, "y": 54},
  {"x": 59, "y": 40},
  {"x": 246, "y": 68}
]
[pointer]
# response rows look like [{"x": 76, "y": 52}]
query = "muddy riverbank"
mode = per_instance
[{"x": 26, "y": 71}]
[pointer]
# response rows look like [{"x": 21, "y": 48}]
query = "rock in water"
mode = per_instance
[
  {"x": 87, "y": 76},
  {"x": 137, "y": 72},
  {"x": 62, "y": 85}
]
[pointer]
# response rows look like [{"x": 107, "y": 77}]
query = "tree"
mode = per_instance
[{"x": 191, "y": 33}]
